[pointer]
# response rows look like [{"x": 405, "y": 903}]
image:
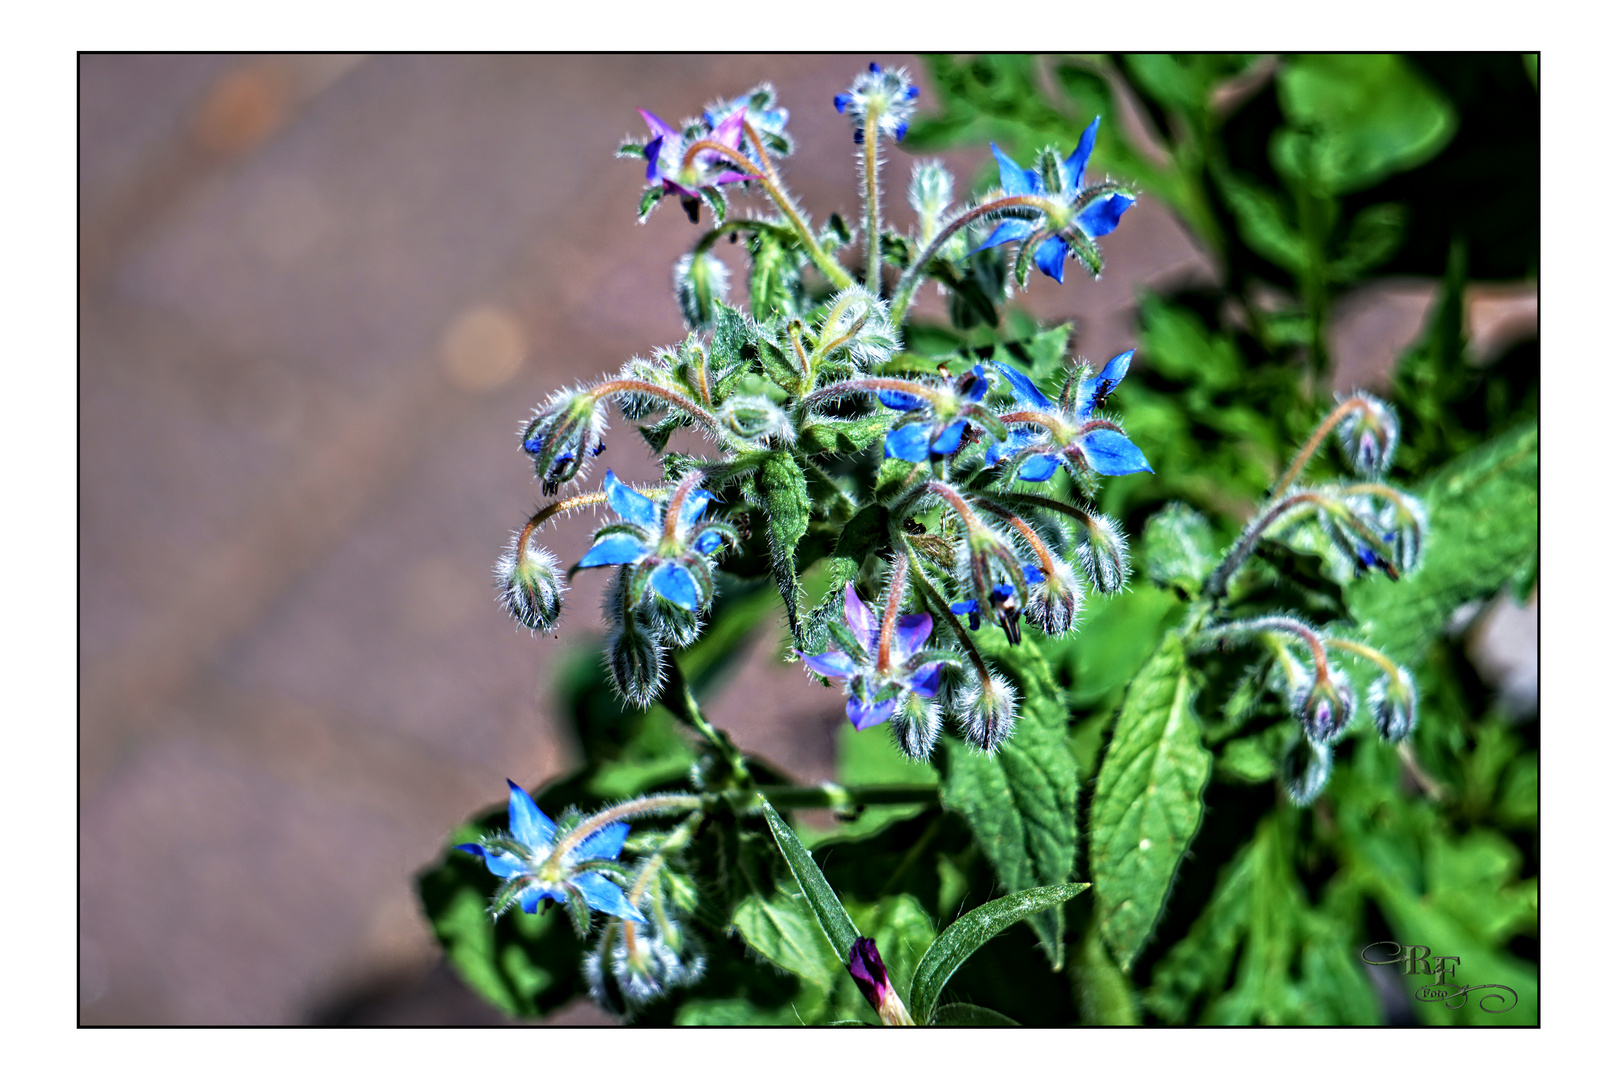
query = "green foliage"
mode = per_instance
[
  {"x": 785, "y": 497},
  {"x": 969, "y": 933},
  {"x": 1022, "y": 802},
  {"x": 1148, "y": 801},
  {"x": 1484, "y": 533}
]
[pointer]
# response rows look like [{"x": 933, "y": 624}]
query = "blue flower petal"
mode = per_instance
[
  {"x": 1012, "y": 177},
  {"x": 898, "y": 399},
  {"x": 709, "y": 541},
  {"x": 964, "y": 607},
  {"x": 1117, "y": 367},
  {"x": 1001, "y": 593},
  {"x": 630, "y": 505},
  {"x": 1022, "y": 386},
  {"x": 692, "y": 507},
  {"x": 655, "y": 123},
  {"x": 654, "y": 150},
  {"x": 1032, "y": 574},
  {"x": 1039, "y": 468},
  {"x": 675, "y": 584},
  {"x": 907, "y": 443},
  {"x": 1101, "y": 216},
  {"x": 842, "y": 101},
  {"x": 616, "y": 549},
  {"x": 910, "y": 633},
  {"x": 529, "y": 898},
  {"x": 603, "y": 895},
  {"x": 603, "y": 843},
  {"x": 925, "y": 679},
  {"x": 528, "y": 822},
  {"x": 860, "y": 619},
  {"x": 503, "y": 865},
  {"x": 1004, "y": 233},
  {"x": 867, "y": 716},
  {"x": 948, "y": 440},
  {"x": 835, "y": 664},
  {"x": 900, "y": 131},
  {"x": 1051, "y": 257},
  {"x": 1111, "y": 454},
  {"x": 1078, "y": 161},
  {"x": 974, "y": 384}
]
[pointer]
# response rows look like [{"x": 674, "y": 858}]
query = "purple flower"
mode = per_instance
[
  {"x": 875, "y": 689},
  {"x": 1072, "y": 217},
  {"x": 524, "y": 857},
  {"x": 868, "y": 971}
]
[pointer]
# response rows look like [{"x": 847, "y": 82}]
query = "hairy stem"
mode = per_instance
[
  {"x": 872, "y": 192},
  {"x": 1356, "y": 403},
  {"x": 904, "y": 291},
  {"x": 678, "y": 699}
]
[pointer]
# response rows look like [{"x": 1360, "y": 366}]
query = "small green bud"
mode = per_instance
[
  {"x": 915, "y": 726},
  {"x": 530, "y": 584},
  {"x": 700, "y": 281},
  {"x": 1304, "y": 769},
  {"x": 1105, "y": 554},
  {"x": 986, "y": 713},
  {"x": 1392, "y": 706},
  {"x": 1326, "y": 708},
  {"x": 1369, "y": 436}
]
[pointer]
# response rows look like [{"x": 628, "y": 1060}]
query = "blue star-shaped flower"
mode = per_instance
[
  {"x": 940, "y": 435},
  {"x": 874, "y": 691},
  {"x": 523, "y": 858},
  {"x": 1076, "y": 217},
  {"x": 1044, "y": 432},
  {"x": 672, "y": 561}
]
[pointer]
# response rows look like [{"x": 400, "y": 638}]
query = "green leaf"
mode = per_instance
[
  {"x": 971, "y": 932},
  {"x": 1022, "y": 803},
  {"x": 1262, "y": 223},
  {"x": 1199, "y": 963},
  {"x": 776, "y": 285},
  {"x": 1365, "y": 117},
  {"x": 960, "y": 1014},
  {"x": 785, "y": 496},
  {"x": 648, "y": 201},
  {"x": 783, "y": 931},
  {"x": 827, "y": 909},
  {"x": 1373, "y": 238},
  {"x": 1483, "y": 510},
  {"x": 1179, "y": 549},
  {"x": 1148, "y": 801},
  {"x": 843, "y": 438}
]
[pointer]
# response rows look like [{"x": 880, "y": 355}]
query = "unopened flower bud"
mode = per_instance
[
  {"x": 931, "y": 192},
  {"x": 634, "y": 654},
  {"x": 1105, "y": 554},
  {"x": 700, "y": 281},
  {"x": 756, "y": 418},
  {"x": 868, "y": 971},
  {"x": 1369, "y": 436},
  {"x": 644, "y": 963},
  {"x": 987, "y": 713},
  {"x": 1392, "y": 706},
  {"x": 563, "y": 435},
  {"x": 530, "y": 584},
  {"x": 1054, "y": 603},
  {"x": 1326, "y": 708},
  {"x": 1304, "y": 769},
  {"x": 915, "y": 726}
]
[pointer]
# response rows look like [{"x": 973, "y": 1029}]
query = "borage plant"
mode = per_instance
[{"x": 928, "y": 517}]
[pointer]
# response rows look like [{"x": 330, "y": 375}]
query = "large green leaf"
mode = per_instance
[
  {"x": 822, "y": 901},
  {"x": 971, "y": 932},
  {"x": 783, "y": 930},
  {"x": 1022, "y": 803},
  {"x": 785, "y": 496},
  {"x": 1148, "y": 801},
  {"x": 1483, "y": 510},
  {"x": 1356, "y": 119}
]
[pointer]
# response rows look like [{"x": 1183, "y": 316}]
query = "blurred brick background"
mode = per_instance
[{"x": 318, "y": 297}]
